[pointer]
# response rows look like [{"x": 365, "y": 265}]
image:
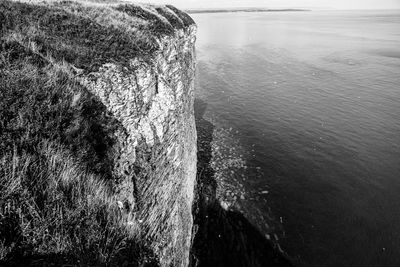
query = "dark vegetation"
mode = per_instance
[
  {"x": 55, "y": 196},
  {"x": 37, "y": 103},
  {"x": 224, "y": 237},
  {"x": 57, "y": 140}
]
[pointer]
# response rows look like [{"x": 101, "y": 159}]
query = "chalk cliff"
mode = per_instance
[
  {"x": 157, "y": 158},
  {"x": 138, "y": 63}
]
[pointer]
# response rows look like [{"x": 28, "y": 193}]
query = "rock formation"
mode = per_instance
[{"x": 157, "y": 159}]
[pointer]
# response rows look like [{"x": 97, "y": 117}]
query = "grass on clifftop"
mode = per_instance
[
  {"x": 87, "y": 35},
  {"x": 56, "y": 139},
  {"x": 56, "y": 204}
]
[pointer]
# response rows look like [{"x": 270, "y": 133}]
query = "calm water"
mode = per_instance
[{"x": 310, "y": 101}]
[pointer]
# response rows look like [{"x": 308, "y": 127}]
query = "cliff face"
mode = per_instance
[
  {"x": 124, "y": 75},
  {"x": 157, "y": 158}
]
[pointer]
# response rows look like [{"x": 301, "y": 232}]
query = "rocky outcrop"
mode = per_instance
[{"x": 156, "y": 163}]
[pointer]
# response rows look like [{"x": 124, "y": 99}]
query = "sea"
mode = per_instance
[{"x": 306, "y": 138}]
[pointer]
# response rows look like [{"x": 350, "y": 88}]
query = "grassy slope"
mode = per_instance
[{"x": 56, "y": 144}]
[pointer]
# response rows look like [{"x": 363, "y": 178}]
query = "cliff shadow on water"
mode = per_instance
[{"x": 223, "y": 237}]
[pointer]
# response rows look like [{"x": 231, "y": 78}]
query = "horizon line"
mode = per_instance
[{"x": 266, "y": 9}]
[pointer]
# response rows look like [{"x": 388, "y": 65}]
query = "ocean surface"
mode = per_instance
[{"x": 306, "y": 109}]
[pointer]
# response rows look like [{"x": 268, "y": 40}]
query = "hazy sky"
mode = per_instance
[{"x": 337, "y": 4}]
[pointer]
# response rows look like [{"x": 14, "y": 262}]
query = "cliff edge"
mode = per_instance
[{"x": 98, "y": 151}]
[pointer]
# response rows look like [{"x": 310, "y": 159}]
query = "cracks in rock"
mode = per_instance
[{"x": 157, "y": 81}]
